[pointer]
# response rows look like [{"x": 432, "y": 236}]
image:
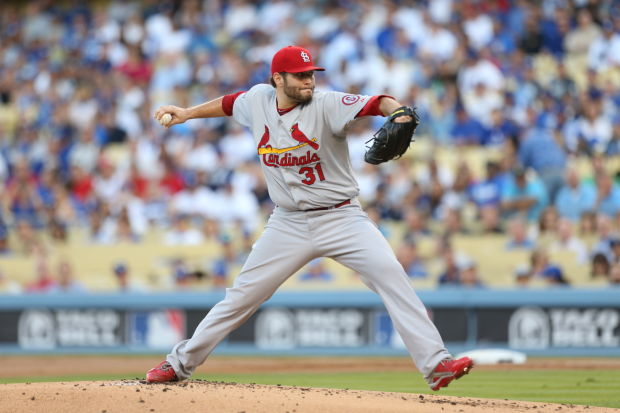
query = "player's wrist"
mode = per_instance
[{"x": 388, "y": 105}]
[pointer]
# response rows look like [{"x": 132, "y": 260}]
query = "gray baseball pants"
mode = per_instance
[{"x": 290, "y": 240}]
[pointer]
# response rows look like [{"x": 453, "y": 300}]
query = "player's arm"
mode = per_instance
[
  {"x": 210, "y": 109},
  {"x": 387, "y": 106}
]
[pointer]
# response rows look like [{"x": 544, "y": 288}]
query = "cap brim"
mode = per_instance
[{"x": 307, "y": 69}]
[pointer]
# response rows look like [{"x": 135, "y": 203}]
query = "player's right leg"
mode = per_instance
[{"x": 283, "y": 248}]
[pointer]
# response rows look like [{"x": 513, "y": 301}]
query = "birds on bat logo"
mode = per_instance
[{"x": 271, "y": 155}]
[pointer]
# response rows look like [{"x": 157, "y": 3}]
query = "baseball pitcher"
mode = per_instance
[{"x": 300, "y": 138}]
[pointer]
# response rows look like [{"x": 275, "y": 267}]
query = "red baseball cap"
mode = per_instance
[{"x": 293, "y": 59}]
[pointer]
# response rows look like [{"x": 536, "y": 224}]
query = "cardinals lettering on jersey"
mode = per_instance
[{"x": 276, "y": 157}]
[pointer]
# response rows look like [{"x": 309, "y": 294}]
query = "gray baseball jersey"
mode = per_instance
[
  {"x": 306, "y": 161},
  {"x": 304, "y": 152}
]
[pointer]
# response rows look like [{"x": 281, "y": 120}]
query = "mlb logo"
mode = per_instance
[{"x": 157, "y": 329}]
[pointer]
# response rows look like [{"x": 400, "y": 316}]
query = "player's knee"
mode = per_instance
[
  {"x": 243, "y": 298},
  {"x": 386, "y": 269}
]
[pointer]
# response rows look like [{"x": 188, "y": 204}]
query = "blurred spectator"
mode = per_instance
[
  {"x": 81, "y": 189},
  {"x": 604, "y": 51},
  {"x": 578, "y": 40},
  {"x": 316, "y": 272},
  {"x": 195, "y": 200},
  {"x": 469, "y": 277},
  {"x": 501, "y": 129},
  {"x": 587, "y": 224},
  {"x": 523, "y": 195},
  {"x": 565, "y": 240},
  {"x": 543, "y": 269},
  {"x": 25, "y": 205},
  {"x": 85, "y": 153},
  {"x": 540, "y": 151},
  {"x": 575, "y": 197},
  {"x": 605, "y": 235},
  {"x": 478, "y": 70},
  {"x": 480, "y": 103},
  {"x": 28, "y": 239},
  {"x": 554, "y": 276},
  {"x": 593, "y": 129},
  {"x": 554, "y": 29},
  {"x": 409, "y": 257},
  {"x": 467, "y": 130},
  {"x": 614, "y": 275},
  {"x": 44, "y": 282},
  {"x": 182, "y": 232},
  {"x": 562, "y": 87},
  {"x": 518, "y": 237},
  {"x": 450, "y": 274},
  {"x": 614, "y": 253},
  {"x": 109, "y": 182},
  {"x": 531, "y": 41},
  {"x": 125, "y": 283},
  {"x": 486, "y": 195},
  {"x": 547, "y": 226},
  {"x": 607, "y": 200},
  {"x": 225, "y": 264},
  {"x": 454, "y": 200},
  {"x": 599, "y": 266},
  {"x": 58, "y": 232},
  {"x": 416, "y": 224},
  {"x": 185, "y": 278},
  {"x": 66, "y": 281},
  {"x": 523, "y": 276},
  {"x": 439, "y": 43},
  {"x": 454, "y": 263},
  {"x": 478, "y": 27}
]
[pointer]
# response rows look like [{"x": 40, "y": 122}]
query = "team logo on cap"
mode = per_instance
[{"x": 305, "y": 56}]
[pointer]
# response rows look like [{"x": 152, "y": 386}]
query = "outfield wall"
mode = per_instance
[{"x": 559, "y": 322}]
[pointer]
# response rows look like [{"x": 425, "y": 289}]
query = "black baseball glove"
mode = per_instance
[{"x": 392, "y": 140}]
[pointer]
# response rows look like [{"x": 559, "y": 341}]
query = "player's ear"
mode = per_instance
[{"x": 277, "y": 79}]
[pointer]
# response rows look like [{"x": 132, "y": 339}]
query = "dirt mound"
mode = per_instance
[{"x": 129, "y": 396}]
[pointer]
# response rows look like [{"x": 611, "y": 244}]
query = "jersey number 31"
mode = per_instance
[{"x": 310, "y": 178}]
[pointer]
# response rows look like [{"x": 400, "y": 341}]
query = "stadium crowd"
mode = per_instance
[{"x": 533, "y": 85}]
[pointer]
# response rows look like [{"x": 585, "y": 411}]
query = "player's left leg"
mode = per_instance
[{"x": 352, "y": 239}]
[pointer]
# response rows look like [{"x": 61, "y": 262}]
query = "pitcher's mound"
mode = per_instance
[{"x": 128, "y": 396}]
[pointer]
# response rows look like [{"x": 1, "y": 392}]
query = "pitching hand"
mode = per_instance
[{"x": 179, "y": 115}]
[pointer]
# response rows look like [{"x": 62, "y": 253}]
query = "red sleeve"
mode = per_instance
[
  {"x": 228, "y": 101},
  {"x": 372, "y": 107}
]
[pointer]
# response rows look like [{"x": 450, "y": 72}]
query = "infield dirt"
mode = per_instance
[{"x": 129, "y": 396}]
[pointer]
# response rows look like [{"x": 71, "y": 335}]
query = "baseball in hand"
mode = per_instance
[{"x": 165, "y": 119}]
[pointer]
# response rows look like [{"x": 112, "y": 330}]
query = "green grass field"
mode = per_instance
[{"x": 594, "y": 387}]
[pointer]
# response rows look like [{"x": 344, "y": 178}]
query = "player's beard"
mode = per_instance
[{"x": 296, "y": 93}]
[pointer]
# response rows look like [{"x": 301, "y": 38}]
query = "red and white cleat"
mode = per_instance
[
  {"x": 448, "y": 370},
  {"x": 162, "y": 373}
]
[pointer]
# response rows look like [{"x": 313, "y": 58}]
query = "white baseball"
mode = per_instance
[{"x": 165, "y": 119}]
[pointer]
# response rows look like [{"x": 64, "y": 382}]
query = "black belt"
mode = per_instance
[{"x": 343, "y": 203}]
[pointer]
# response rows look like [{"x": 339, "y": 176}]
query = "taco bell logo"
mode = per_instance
[{"x": 529, "y": 328}]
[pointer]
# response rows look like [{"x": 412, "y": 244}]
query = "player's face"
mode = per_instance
[{"x": 299, "y": 87}]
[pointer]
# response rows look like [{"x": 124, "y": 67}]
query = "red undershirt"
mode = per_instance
[{"x": 370, "y": 109}]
